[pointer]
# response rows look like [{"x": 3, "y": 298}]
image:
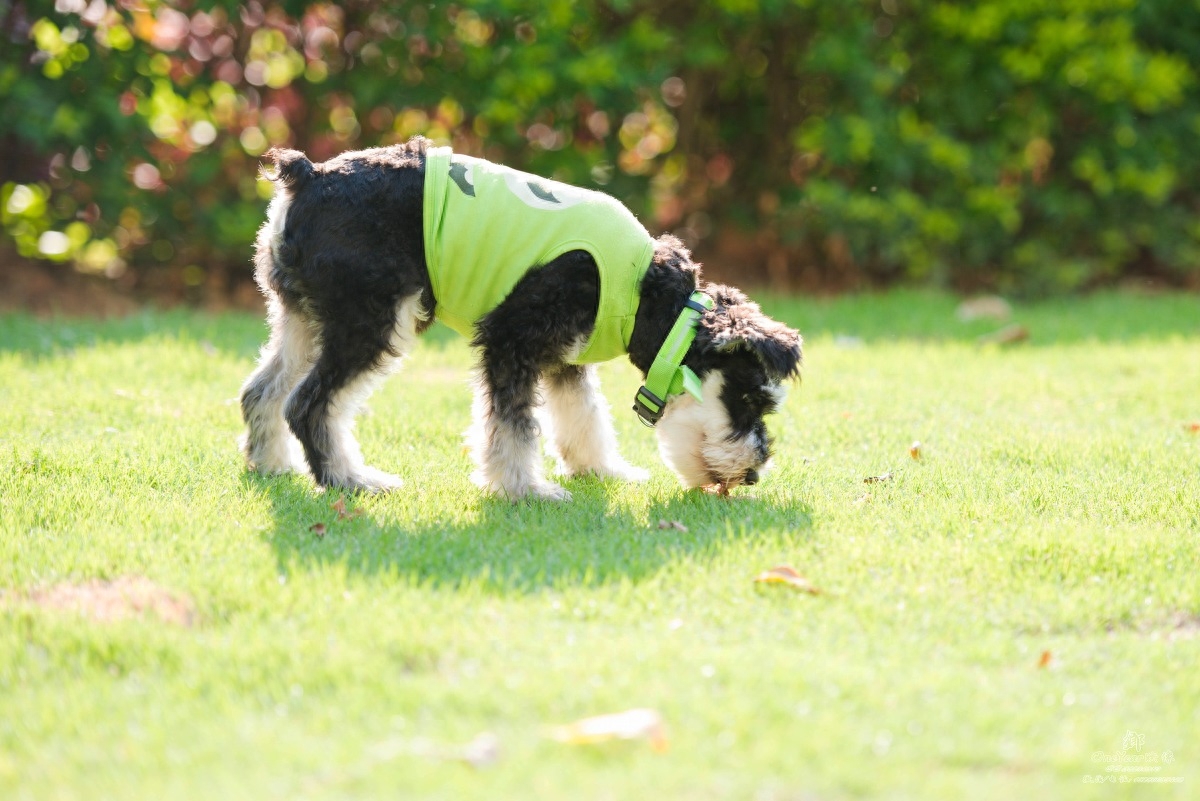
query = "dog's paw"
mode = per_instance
[
  {"x": 264, "y": 468},
  {"x": 519, "y": 488},
  {"x": 548, "y": 491},
  {"x": 368, "y": 479},
  {"x": 538, "y": 490},
  {"x": 623, "y": 471},
  {"x": 620, "y": 470},
  {"x": 274, "y": 458}
]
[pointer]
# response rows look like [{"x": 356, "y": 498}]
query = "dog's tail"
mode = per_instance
[
  {"x": 275, "y": 256},
  {"x": 292, "y": 168}
]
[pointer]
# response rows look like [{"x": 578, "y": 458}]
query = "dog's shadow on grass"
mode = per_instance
[{"x": 519, "y": 547}]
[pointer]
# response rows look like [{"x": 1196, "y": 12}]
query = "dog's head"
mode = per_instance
[{"x": 743, "y": 359}]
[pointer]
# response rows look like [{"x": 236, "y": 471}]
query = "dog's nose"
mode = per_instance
[{"x": 751, "y": 477}]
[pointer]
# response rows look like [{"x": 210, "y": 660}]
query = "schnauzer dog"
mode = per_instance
[{"x": 359, "y": 254}]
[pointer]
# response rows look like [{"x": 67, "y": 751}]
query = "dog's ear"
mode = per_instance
[
  {"x": 738, "y": 323},
  {"x": 727, "y": 296}
]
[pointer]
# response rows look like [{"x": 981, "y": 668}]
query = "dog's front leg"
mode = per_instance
[
  {"x": 504, "y": 434},
  {"x": 581, "y": 428}
]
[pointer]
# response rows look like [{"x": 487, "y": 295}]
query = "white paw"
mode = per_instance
[
  {"x": 547, "y": 491},
  {"x": 266, "y": 468},
  {"x": 537, "y": 490},
  {"x": 620, "y": 470},
  {"x": 624, "y": 471},
  {"x": 280, "y": 456},
  {"x": 368, "y": 479}
]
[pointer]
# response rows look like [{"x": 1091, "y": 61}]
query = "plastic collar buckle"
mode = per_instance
[{"x": 649, "y": 407}]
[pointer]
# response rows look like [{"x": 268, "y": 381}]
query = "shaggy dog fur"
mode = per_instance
[{"x": 341, "y": 261}]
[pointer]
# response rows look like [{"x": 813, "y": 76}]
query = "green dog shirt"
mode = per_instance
[{"x": 486, "y": 226}]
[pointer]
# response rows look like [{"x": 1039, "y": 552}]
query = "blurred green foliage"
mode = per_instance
[{"x": 1016, "y": 144}]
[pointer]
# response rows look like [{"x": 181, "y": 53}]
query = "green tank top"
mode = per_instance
[{"x": 487, "y": 225}]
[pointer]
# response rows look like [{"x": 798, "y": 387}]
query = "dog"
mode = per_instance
[{"x": 359, "y": 254}]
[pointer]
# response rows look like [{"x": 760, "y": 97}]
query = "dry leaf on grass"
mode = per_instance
[
  {"x": 339, "y": 506},
  {"x": 675, "y": 524},
  {"x": 318, "y": 529},
  {"x": 879, "y": 479},
  {"x": 631, "y": 724},
  {"x": 1045, "y": 659},
  {"x": 1193, "y": 428},
  {"x": 786, "y": 574},
  {"x": 1008, "y": 335},
  {"x": 914, "y": 451},
  {"x": 119, "y": 599}
]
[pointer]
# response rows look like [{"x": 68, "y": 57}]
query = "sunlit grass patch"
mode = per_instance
[{"x": 990, "y": 616}]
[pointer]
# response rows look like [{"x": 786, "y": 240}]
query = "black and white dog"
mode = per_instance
[{"x": 342, "y": 263}]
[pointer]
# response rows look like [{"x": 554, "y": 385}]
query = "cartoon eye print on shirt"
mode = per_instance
[{"x": 533, "y": 192}]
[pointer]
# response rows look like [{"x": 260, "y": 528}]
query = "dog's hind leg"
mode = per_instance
[
  {"x": 356, "y": 355},
  {"x": 580, "y": 422},
  {"x": 268, "y": 444}
]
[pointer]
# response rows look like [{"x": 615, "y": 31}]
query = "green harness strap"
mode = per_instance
[{"x": 667, "y": 376}]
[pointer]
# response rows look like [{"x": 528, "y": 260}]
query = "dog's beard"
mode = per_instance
[{"x": 695, "y": 439}]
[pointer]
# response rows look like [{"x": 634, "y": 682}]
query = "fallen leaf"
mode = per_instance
[
  {"x": 631, "y": 724},
  {"x": 675, "y": 524},
  {"x": 879, "y": 479},
  {"x": 1193, "y": 428},
  {"x": 914, "y": 450},
  {"x": 318, "y": 529},
  {"x": 1045, "y": 659},
  {"x": 1009, "y": 335},
  {"x": 339, "y": 506},
  {"x": 786, "y": 574},
  {"x": 984, "y": 307}
]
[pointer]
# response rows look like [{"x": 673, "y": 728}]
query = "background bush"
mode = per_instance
[{"x": 1020, "y": 145}]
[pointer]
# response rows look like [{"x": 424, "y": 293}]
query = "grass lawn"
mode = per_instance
[{"x": 993, "y": 616}]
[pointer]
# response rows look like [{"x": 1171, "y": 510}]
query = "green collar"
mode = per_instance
[{"x": 668, "y": 377}]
